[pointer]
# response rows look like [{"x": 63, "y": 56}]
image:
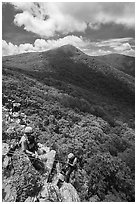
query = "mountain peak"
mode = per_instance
[{"x": 69, "y": 49}]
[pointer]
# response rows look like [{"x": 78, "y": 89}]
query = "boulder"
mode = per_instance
[
  {"x": 94, "y": 198},
  {"x": 48, "y": 159},
  {"x": 69, "y": 193},
  {"x": 5, "y": 148},
  {"x": 6, "y": 161},
  {"x": 9, "y": 193},
  {"x": 30, "y": 199},
  {"x": 49, "y": 193}
]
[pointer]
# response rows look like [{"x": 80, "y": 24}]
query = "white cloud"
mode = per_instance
[
  {"x": 50, "y": 44},
  {"x": 42, "y": 45},
  {"x": 27, "y": 47},
  {"x": 97, "y": 52},
  {"x": 46, "y": 19},
  {"x": 11, "y": 49},
  {"x": 91, "y": 48},
  {"x": 123, "y": 47},
  {"x": 119, "y": 45},
  {"x": 102, "y": 12},
  {"x": 113, "y": 42},
  {"x": 130, "y": 52}
]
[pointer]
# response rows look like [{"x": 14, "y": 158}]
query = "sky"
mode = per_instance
[{"x": 96, "y": 28}]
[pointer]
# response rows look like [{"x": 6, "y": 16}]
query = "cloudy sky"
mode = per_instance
[{"x": 95, "y": 28}]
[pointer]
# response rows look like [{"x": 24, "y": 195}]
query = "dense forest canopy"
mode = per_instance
[{"x": 84, "y": 106}]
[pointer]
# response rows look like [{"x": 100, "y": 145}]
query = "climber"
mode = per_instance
[
  {"x": 4, "y": 99},
  {"x": 28, "y": 142},
  {"x": 71, "y": 166},
  {"x": 30, "y": 147},
  {"x": 23, "y": 118},
  {"x": 60, "y": 180},
  {"x": 9, "y": 105},
  {"x": 16, "y": 107}
]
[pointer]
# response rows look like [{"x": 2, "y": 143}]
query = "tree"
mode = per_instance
[{"x": 108, "y": 173}]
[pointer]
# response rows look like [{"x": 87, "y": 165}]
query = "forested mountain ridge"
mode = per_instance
[
  {"x": 83, "y": 106},
  {"x": 121, "y": 62},
  {"x": 79, "y": 75}
]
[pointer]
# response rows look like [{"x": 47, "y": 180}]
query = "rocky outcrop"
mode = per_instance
[
  {"x": 51, "y": 192},
  {"x": 8, "y": 192},
  {"x": 94, "y": 198},
  {"x": 5, "y": 149},
  {"x": 69, "y": 193},
  {"x": 21, "y": 179},
  {"x": 5, "y": 159},
  {"x": 48, "y": 158}
]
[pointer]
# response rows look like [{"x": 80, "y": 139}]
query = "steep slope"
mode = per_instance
[
  {"x": 123, "y": 63},
  {"x": 81, "y": 76},
  {"x": 67, "y": 115}
]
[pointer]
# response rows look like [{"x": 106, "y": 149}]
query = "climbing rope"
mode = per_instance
[{"x": 11, "y": 153}]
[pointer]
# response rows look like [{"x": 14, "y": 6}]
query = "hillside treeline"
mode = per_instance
[{"x": 104, "y": 146}]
